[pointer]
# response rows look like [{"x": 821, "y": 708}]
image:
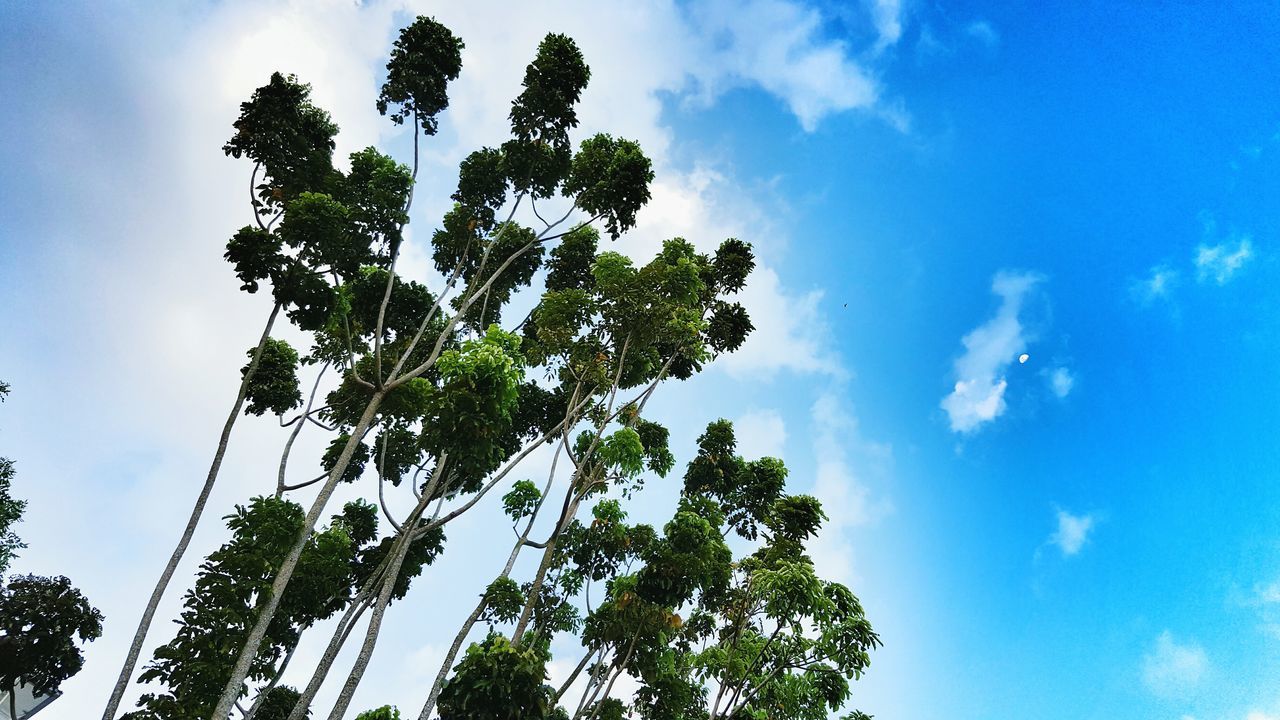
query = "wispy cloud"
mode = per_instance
[
  {"x": 887, "y": 16},
  {"x": 846, "y": 461},
  {"x": 761, "y": 433},
  {"x": 978, "y": 395},
  {"x": 1072, "y": 533},
  {"x": 1219, "y": 263},
  {"x": 984, "y": 32},
  {"x": 1061, "y": 381},
  {"x": 1172, "y": 669},
  {"x": 780, "y": 47},
  {"x": 1157, "y": 285}
]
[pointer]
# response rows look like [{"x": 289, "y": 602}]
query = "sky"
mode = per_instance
[{"x": 1014, "y": 308}]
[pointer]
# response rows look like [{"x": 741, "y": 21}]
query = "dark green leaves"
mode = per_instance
[
  {"x": 274, "y": 385},
  {"x": 729, "y": 327},
  {"x": 255, "y": 253},
  {"x": 292, "y": 139},
  {"x": 538, "y": 157},
  {"x": 423, "y": 61},
  {"x": 377, "y": 194},
  {"x": 40, "y": 620},
  {"x": 733, "y": 262},
  {"x": 321, "y": 229},
  {"x": 482, "y": 187},
  {"x": 610, "y": 178}
]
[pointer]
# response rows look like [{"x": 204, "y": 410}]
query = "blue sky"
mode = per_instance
[{"x": 934, "y": 190}]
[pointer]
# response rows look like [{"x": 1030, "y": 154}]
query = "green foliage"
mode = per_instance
[
  {"x": 386, "y": 712},
  {"x": 359, "y": 458},
  {"x": 521, "y": 500},
  {"x": 503, "y": 600},
  {"x": 278, "y": 703},
  {"x": 422, "y": 552},
  {"x": 538, "y": 156},
  {"x": 322, "y": 230},
  {"x": 10, "y": 513},
  {"x": 40, "y": 619},
  {"x": 218, "y": 612},
  {"x": 497, "y": 681},
  {"x": 274, "y": 385},
  {"x": 482, "y": 187},
  {"x": 733, "y": 262},
  {"x": 466, "y": 413},
  {"x": 571, "y": 260},
  {"x": 611, "y": 180},
  {"x": 377, "y": 193},
  {"x": 289, "y": 137},
  {"x": 424, "y": 59},
  {"x": 255, "y": 253}
]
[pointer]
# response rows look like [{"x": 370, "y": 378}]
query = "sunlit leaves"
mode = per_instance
[
  {"x": 497, "y": 681},
  {"x": 521, "y": 500}
]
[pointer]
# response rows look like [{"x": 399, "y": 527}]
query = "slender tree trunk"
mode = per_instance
[
  {"x": 375, "y": 620},
  {"x": 231, "y": 691},
  {"x": 140, "y": 635}
]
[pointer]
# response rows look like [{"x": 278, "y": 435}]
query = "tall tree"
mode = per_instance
[
  {"x": 441, "y": 397},
  {"x": 10, "y": 507}
]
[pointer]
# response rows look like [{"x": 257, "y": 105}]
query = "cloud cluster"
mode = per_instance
[
  {"x": 1220, "y": 262},
  {"x": 980, "y": 384},
  {"x": 1172, "y": 669},
  {"x": 1072, "y": 533},
  {"x": 1217, "y": 262}
]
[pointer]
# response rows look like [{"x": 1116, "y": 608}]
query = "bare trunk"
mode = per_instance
[
  {"x": 140, "y": 635},
  {"x": 252, "y": 644}
]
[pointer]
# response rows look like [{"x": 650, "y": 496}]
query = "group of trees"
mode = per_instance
[
  {"x": 441, "y": 395},
  {"x": 41, "y": 618}
]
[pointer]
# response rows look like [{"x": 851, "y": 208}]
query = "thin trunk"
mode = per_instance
[
  {"x": 275, "y": 679},
  {"x": 573, "y": 676},
  {"x": 231, "y": 690},
  {"x": 340, "y": 633},
  {"x": 140, "y": 635},
  {"x": 471, "y": 620},
  {"x": 400, "y": 551},
  {"x": 302, "y": 420},
  {"x": 358, "y": 606}
]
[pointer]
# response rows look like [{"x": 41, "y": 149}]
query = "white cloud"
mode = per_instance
[
  {"x": 1061, "y": 381},
  {"x": 779, "y": 46},
  {"x": 845, "y": 462},
  {"x": 887, "y": 16},
  {"x": 761, "y": 433},
  {"x": 1072, "y": 533},
  {"x": 1171, "y": 669},
  {"x": 978, "y": 396},
  {"x": 1220, "y": 262},
  {"x": 984, "y": 32},
  {"x": 1159, "y": 283}
]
